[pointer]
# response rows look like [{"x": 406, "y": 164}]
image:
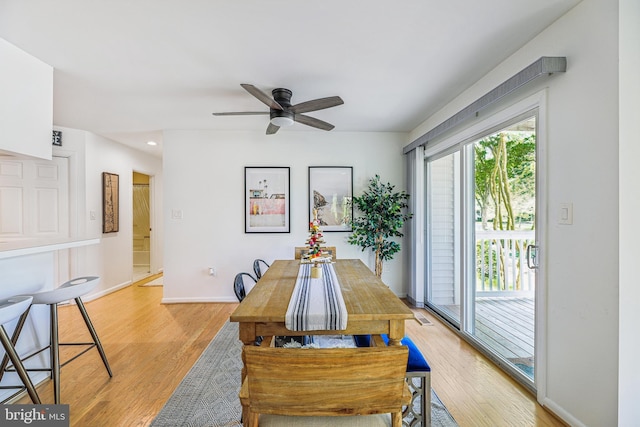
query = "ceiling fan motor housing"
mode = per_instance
[
  {"x": 281, "y": 117},
  {"x": 282, "y": 96}
]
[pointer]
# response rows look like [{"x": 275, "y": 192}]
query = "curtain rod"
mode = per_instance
[{"x": 546, "y": 65}]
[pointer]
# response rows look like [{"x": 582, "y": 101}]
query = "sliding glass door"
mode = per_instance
[
  {"x": 443, "y": 245},
  {"x": 481, "y": 234}
]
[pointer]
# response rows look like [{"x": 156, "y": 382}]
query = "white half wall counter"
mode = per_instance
[
  {"x": 26, "y": 267},
  {"x": 10, "y": 249}
]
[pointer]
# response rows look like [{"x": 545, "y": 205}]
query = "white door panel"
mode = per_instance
[
  {"x": 34, "y": 198},
  {"x": 11, "y": 212}
]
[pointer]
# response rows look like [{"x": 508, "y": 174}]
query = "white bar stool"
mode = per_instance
[
  {"x": 10, "y": 309},
  {"x": 72, "y": 289}
]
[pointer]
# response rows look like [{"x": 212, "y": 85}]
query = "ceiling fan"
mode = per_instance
[{"x": 282, "y": 113}]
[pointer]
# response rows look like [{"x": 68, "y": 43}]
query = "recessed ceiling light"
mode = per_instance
[{"x": 152, "y": 143}]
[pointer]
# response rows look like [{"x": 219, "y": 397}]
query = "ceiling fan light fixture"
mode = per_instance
[
  {"x": 281, "y": 118},
  {"x": 281, "y": 121}
]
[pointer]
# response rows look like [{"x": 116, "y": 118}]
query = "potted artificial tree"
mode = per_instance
[{"x": 383, "y": 215}]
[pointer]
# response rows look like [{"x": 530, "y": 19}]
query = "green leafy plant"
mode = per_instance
[{"x": 383, "y": 215}]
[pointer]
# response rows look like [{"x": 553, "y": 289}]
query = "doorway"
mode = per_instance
[
  {"x": 141, "y": 244},
  {"x": 482, "y": 228}
]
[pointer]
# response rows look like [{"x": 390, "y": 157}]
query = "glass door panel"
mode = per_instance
[
  {"x": 503, "y": 315},
  {"x": 481, "y": 242},
  {"x": 443, "y": 218}
]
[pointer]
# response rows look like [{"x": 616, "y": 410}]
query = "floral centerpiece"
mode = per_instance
[{"x": 315, "y": 254}]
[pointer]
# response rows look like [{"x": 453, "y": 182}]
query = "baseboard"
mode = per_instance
[
  {"x": 561, "y": 414},
  {"x": 414, "y": 303},
  {"x": 108, "y": 291}
]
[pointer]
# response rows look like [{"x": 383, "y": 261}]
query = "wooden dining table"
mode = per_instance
[{"x": 372, "y": 307}]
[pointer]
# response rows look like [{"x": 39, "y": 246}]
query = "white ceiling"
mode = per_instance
[{"x": 128, "y": 69}]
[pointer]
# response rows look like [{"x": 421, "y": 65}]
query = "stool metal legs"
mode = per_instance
[
  {"x": 94, "y": 335},
  {"x": 14, "y": 340},
  {"x": 55, "y": 353},
  {"x": 15, "y": 359},
  {"x": 54, "y": 348}
]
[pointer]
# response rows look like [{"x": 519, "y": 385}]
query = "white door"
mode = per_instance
[
  {"x": 34, "y": 198},
  {"x": 142, "y": 230}
]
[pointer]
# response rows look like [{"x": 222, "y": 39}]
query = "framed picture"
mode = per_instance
[
  {"x": 110, "y": 202},
  {"x": 266, "y": 200},
  {"x": 330, "y": 193}
]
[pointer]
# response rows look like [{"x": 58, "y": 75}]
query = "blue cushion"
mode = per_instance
[
  {"x": 362, "y": 340},
  {"x": 416, "y": 361}
]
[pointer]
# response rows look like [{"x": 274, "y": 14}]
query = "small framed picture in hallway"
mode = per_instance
[
  {"x": 110, "y": 202},
  {"x": 267, "y": 200}
]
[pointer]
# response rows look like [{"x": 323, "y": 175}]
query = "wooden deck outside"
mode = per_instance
[{"x": 506, "y": 325}]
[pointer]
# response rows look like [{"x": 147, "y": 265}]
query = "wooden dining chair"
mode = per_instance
[
  {"x": 324, "y": 386},
  {"x": 331, "y": 250},
  {"x": 299, "y": 250}
]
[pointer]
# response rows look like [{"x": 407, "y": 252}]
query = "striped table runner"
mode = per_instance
[{"x": 316, "y": 304}]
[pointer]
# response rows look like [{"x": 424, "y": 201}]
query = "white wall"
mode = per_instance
[
  {"x": 112, "y": 259},
  {"x": 582, "y": 167},
  {"x": 204, "y": 178},
  {"x": 629, "y": 181},
  {"x": 26, "y": 104}
]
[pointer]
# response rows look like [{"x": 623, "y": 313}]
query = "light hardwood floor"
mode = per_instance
[
  {"x": 472, "y": 388},
  {"x": 151, "y": 346}
]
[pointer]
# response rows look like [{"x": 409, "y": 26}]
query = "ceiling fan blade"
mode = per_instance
[
  {"x": 266, "y": 99},
  {"x": 313, "y": 122},
  {"x": 241, "y": 113},
  {"x": 317, "y": 104},
  {"x": 271, "y": 129}
]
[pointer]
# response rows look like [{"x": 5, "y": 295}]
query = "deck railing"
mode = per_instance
[{"x": 501, "y": 262}]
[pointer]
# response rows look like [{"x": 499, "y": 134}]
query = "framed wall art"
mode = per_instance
[
  {"x": 330, "y": 193},
  {"x": 110, "y": 202},
  {"x": 266, "y": 200}
]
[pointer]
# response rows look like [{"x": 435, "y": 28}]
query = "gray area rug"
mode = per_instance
[{"x": 208, "y": 394}]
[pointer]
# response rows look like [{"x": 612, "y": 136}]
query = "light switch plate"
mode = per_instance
[{"x": 566, "y": 214}]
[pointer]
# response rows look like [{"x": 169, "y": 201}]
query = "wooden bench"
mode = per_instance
[
  {"x": 418, "y": 378},
  {"x": 301, "y": 387}
]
